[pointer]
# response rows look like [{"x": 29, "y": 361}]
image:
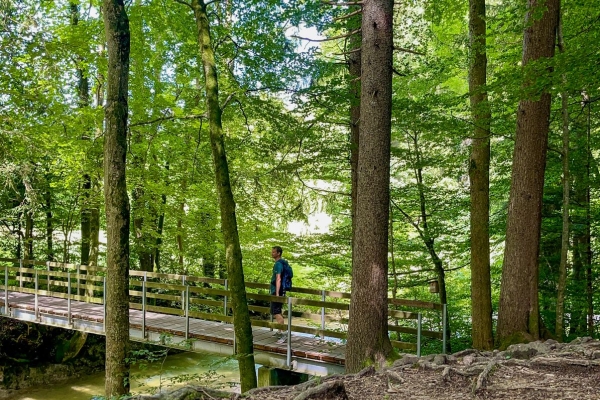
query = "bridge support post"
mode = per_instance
[
  {"x": 36, "y": 309},
  {"x": 444, "y": 323},
  {"x": 69, "y": 319},
  {"x": 269, "y": 376},
  {"x": 419, "y": 325},
  {"x": 144, "y": 307},
  {"x": 323, "y": 298}
]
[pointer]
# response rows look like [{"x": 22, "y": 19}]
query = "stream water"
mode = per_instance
[{"x": 174, "y": 370}]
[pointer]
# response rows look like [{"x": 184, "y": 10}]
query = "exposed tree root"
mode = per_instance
[{"x": 333, "y": 390}]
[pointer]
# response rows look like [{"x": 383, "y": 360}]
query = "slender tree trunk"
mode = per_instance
[
  {"x": 85, "y": 220},
  {"x": 368, "y": 340},
  {"x": 116, "y": 27},
  {"x": 428, "y": 238},
  {"x": 479, "y": 177},
  {"x": 49, "y": 223},
  {"x": 28, "y": 235},
  {"x": 559, "y": 330},
  {"x": 241, "y": 317},
  {"x": 589, "y": 273},
  {"x": 94, "y": 235},
  {"x": 159, "y": 230},
  {"x": 518, "y": 315}
]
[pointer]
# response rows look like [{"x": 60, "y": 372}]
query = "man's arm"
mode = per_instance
[{"x": 277, "y": 284}]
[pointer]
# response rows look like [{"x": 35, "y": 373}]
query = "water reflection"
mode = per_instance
[{"x": 174, "y": 370}]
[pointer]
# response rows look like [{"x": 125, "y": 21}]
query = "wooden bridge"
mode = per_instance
[{"x": 192, "y": 313}]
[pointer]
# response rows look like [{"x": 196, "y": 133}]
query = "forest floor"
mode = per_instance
[{"x": 540, "y": 370}]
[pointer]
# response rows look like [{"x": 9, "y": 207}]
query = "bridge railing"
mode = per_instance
[{"x": 321, "y": 313}]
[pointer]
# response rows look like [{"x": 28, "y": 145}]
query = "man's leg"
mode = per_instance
[{"x": 277, "y": 314}]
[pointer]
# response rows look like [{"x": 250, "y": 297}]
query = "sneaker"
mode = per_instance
[
  {"x": 278, "y": 334},
  {"x": 282, "y": 340}
]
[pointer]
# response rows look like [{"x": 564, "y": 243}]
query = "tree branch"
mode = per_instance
[
  {"x": 408, "y": 51},
  {"x": 170, "y": 118},
  {"x": 348, "y": 15},
  {"x": 331, "y": 38},
  {"x": 184, "y": 3},
  {"x": 348, "y": 3}
]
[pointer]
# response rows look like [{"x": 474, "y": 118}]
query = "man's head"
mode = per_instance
[{"x": 276, "y": 252}]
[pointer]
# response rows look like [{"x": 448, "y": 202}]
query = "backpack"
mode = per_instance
[{"x": 286, "y": 275}]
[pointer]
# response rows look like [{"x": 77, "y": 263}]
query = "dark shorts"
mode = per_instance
[{"x": 276, "y": 308}]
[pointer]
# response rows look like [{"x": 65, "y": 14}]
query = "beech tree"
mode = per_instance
[
  {"x": 368, "y": 340},
  {"x": 233, "y": 251},
  {"x": 518, "y": 314},
  {"x": 116, "y": 27}
]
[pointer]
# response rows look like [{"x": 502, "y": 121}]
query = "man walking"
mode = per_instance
[{"x": 277, "y": 290}]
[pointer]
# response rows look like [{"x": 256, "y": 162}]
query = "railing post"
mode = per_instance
[
  {"x": 289, "y": 333},
  {"x": 323, "y": 314},
  {"x": 183, "y": 293},
  {"x": 20, "y": 272},
  {"x": 69, "y": 319},
  {"x": 225, "y": 299},
  {"x": 144, "y": 308},
  {"x": 187, "y": 312},
  {"x": 104, "y": 304},
  {"x": 444, "y": 323},
  {"x": 78, "y": 271},
  {"x": 36, "y": 309},
  {"x": 419, "y": 321},
  {"x": 48, "y": 268},
  {"x": 6, "y": 312}
]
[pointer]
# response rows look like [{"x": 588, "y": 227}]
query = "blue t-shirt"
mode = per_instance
[{"x": 277, "y": 269}]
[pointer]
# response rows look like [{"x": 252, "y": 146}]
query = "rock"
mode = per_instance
[
  {"x": 468, "y": 360},
  {"x": 525, "y": 351},
  {"x": 440, "y": 359},
  {"x": 406, "y": 360}
]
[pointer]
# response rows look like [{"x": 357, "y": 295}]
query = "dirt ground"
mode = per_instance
[{"x": 540, "y": 370}]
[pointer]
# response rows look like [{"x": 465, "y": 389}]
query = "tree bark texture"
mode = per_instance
[
  {"x": 241, "y": 317},
  {"x": 368, "y": 340},
  {"x": 116, "y": 25},
  {"x": 518, "y": 315},
  {"x": 479, "y": 178}
]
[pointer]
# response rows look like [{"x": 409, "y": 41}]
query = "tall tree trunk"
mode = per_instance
[
  {"x": 116, "y": 26},
  {"x": 241, "y": 317},
  {"x": 559, "y": 330},
  {"x": 518, "y": 315},
  {"x": 85, "y": 220},
  {"x": 368, "y": 340},
  {"x": 479, "y": 177}
]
